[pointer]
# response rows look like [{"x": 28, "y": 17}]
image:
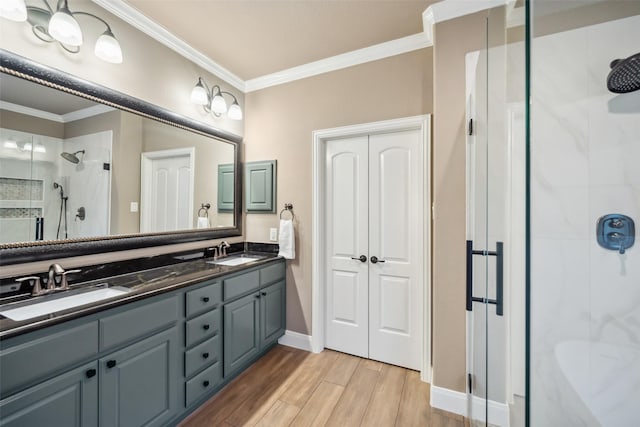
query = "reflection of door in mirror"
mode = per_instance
[
  {"x": 166, "y": 184},
  {"x": 45, "y": 180}
]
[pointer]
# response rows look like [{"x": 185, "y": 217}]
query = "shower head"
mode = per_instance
[
  {"x": 624, "y": 76},
  {"x": 56, "y": 186},
  {"x": 73, "y": 158}
]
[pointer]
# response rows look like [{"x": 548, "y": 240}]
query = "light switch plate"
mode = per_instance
[
  {"x": 273, "y": 234},
  {"x": 134, "y": 207}
]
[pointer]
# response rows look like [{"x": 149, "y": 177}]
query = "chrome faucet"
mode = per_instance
[
  {"x": 55, "y": 270},
  {"x": 222, "y": 248}
]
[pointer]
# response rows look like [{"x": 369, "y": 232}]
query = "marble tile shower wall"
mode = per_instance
[{"x": 585, "y": 164}]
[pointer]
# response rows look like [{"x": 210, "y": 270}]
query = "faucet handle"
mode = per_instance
[
  {"x": 64, "y": 283},
  {"x": 34, "y": 281}
]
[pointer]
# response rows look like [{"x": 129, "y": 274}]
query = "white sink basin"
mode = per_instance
[
  {"x": 51, "y": 306},
  {"x": 237, "y": 260}
]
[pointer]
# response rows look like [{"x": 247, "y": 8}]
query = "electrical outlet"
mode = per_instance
[{"x": 273, "y": 234}]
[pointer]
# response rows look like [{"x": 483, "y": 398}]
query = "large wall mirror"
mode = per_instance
[{"x": 84, "y": 169}]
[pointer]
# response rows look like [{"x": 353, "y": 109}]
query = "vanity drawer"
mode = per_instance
[
  {"x": 241, "y": 284},
  {"x": 272, "y": 273},
  {"x": 137, "y": 322},
  {"x": 202, "y": 355},
  {"x": 204, "y": 326},
  {"x": 38, "y": 358},
  {"x": 203, "y": 383},
  {"x": 205, "y": 298}
]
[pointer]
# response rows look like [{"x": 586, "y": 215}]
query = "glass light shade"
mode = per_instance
[
  {"x": 10, "y": 144},
  {"x": 235, "y": 112},
  {"x": 218, "y": 104},
  {"x": 64, "y": 28},
  {"x": 39, "y": 148},
  {"x": 108, "y": 49},
  {"x": 27, "y": 147},
  {"x": 13, "y": 10},
  {"x": 199, "y": 95}
]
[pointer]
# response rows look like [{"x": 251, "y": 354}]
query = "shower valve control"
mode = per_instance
[{"x": 616, "y": 232}]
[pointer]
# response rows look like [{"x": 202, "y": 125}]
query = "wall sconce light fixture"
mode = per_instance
[
  {"x": 60, "y": 25},
  {"x": 212, "y": 100}
]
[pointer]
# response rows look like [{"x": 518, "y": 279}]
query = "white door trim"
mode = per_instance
[
  {"x": 145, "y": 179},
  {"x": 320, "y": 137}
]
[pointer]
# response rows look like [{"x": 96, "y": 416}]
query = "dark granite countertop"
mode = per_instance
[{"x": 141, "y": 284}]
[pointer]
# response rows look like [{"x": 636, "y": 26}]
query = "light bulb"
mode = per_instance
[
  {"x": 108, "y": 49},
  {"x": 64, "y": 28},
  {"x": 13, "y": 10},
  {"x": 235, "y": 112},
  {"x": 199, "y": 94},
  {"x": 218, "y": 104}
]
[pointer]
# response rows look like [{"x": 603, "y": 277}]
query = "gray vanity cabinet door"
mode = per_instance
[
  {"x": 139, "y": 384},
  {"x": 70, "y": 399},
  {"x": 241, "y": 334},
  {"x": 272, "y": 313}
]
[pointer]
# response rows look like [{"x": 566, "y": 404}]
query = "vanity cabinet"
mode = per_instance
[
  {"x": 138, "y": 383},
  {"x": 256, "y": 321},
  {"x": 130, "y": 375},
  {"x": 70, "y": 399},
  {"x": 149, "y": 362}
]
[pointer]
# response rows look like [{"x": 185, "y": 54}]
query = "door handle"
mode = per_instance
[
  {"x": 375, "y": 260},
  {"x": 361, "y": 258},
  {"x": 499, "y": 254}
]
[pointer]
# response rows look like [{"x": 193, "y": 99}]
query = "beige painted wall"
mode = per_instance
[
  {"x": 30, "y": 124},
  {"x": 453, "y": 39},
  {"x": 279, "y": 126},
  {"x": 150, "y": 71}
]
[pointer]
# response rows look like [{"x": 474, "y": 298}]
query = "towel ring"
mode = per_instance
[
  {"x": 288, "y": 207},
  {"x": 205, "y": 208}
]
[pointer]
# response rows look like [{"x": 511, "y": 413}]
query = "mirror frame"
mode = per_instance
[{"x": 22, "y": 252}]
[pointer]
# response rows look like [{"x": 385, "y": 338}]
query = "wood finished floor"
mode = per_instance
[{"x": 290, "y": 387}]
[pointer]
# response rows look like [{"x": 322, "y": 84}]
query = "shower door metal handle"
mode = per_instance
[{"x": 499, "y": 254}]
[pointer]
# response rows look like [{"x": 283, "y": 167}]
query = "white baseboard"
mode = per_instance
[
  {"x": 296, "y": 340},
  {"x": 457, "y": 403}
]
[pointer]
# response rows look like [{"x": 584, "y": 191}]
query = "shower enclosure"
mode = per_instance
[{"x": 553, "y": 196}]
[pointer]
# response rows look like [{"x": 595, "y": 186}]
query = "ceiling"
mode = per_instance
[
  {"x": 22, "y": 92},
  {"x": 256, "y": 38}
]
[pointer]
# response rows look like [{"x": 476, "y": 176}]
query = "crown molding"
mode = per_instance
[
  {"x": 86, "y": 112},
  {"x": 451, "y": 9},
  {"x": 132, "y": 16},
  {"x": 437, "y": 12},
  {"x": 65, "y": 118},
  {"x": 345, "y": 60}
]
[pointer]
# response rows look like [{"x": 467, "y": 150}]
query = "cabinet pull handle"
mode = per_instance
[
  {"x": 257, "y": 295},
  {"x": 205, "y": 299},
  {"x": 375, "y": 260},
  {"x": 205, "y": 355},
  {"x": 205, "y": 327},
  {"x": 264, "y": 294},
  {"x": 111, "y": 364},
  {"x": 91, "y": 373},
  {"x": 361, "y": 258},
  {"x": 205, "y": 383}
]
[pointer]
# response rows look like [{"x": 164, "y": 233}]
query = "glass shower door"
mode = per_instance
[{"x": 495, "y": 226}]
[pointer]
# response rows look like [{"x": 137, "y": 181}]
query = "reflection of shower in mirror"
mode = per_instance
[
  {"x": 72, "y": 157},
  {"x": 63, "y": 210}
]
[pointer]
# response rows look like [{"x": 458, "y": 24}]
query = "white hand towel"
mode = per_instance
[
  {"x": 287, "y": 239},
  {"x": 203, "y": 222}
]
